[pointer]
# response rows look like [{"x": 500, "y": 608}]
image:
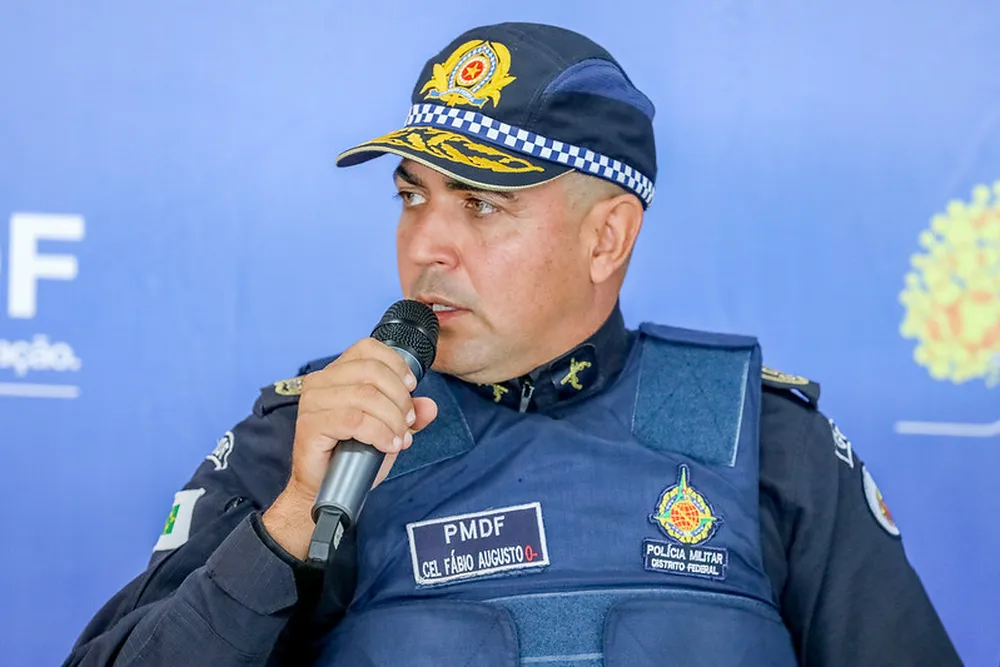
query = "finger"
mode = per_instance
[
  {"x": 357, "y": 399},
  {"x": 426, "y": 411},
  {"x": 351, "y": 423},
  {"x": 359, "y": 372},
  {"x": 369, "y": 348},
  {"x": 383, "y": 471}
]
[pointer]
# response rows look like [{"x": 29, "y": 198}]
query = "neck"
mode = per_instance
[
  {"x": 577, "y": 372},
  {"x": 561, "y": 342}
]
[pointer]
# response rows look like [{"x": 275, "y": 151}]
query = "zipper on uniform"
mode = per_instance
[{"x": 527, "y": 389}]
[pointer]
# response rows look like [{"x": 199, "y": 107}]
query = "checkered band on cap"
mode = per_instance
[{"x": 493, "y": 131}]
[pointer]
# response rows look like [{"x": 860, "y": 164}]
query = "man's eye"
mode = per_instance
[
  {"x": 480, "y": 207},
  {"x": 411, "y": 198}
]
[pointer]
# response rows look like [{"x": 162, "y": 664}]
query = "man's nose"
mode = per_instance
[{"x": 431, "y": 238}]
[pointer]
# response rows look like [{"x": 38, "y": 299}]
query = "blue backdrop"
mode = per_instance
[{"x": 173, "y": 236}]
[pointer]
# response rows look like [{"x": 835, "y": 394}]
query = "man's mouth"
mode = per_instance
[{"x": 437, "y": 303}]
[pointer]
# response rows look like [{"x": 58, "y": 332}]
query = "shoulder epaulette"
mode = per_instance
[
  {"x": 273, "y": 396},
  {"x": 803, "y": 387},
  {"x": 317, "y": 364},
  {"x": 286, "y": 392}
]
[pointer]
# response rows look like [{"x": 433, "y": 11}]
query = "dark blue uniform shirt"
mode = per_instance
[{"x": 229, "y": 595}]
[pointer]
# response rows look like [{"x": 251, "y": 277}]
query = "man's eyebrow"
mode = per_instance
[
  {"x": 402, "y": 174},
  {"x": 453, "y": 184}
]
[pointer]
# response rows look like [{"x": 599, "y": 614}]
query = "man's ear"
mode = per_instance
[{"x": 614, "y": 224}]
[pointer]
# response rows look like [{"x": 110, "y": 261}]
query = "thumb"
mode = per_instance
[{"x": 426, "y": 410}]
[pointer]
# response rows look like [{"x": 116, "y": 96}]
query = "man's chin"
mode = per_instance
[{"x": 449, "y": 360}]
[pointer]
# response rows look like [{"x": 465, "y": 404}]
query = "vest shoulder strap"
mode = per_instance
[
  {"x": 696, "y": 391},
  {"x": 445, "y": 437}
]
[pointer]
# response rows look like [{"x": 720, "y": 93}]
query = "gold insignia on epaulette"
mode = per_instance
[
  {"x": 289, "y": 387},
  {"x": 777, "y": 376}
]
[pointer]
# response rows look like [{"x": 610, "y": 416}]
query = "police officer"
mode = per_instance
[{"x": 560, "y": 490}]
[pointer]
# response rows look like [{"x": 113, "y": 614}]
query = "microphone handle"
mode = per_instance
[
  {"x": 348, "y": 480},
  {"x": 350, "y": 475}
]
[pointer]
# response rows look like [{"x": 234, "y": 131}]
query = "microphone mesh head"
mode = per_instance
[{"x": 411, "y": 326}]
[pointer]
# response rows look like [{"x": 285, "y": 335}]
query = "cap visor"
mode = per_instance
[{"x": 464, "y": 158}]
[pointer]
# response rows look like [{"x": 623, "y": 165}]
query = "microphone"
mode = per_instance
[{"x": 411, "y": 329}]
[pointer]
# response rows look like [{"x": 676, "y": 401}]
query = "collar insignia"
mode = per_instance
[
  {"x": 498, "y": 391},
  {"x": 574, "y": 369}
]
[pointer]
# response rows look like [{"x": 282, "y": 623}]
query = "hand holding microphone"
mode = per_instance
[{"x": 351, "y": 414}]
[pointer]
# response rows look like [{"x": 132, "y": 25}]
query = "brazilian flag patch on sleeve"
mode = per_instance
[{"x": 178, "y": 526}]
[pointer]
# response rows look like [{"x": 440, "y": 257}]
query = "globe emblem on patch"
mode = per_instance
[{"x": 684, "y": 514}]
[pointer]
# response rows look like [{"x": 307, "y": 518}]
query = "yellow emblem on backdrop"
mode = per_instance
[
  {"x": 952, "y": 293},
  {"x": 473, "y": 74}
]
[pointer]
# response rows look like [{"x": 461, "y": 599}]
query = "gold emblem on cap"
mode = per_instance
[
  {"x": 777, "y": 376},
  {"x": 474, "y": 73}
]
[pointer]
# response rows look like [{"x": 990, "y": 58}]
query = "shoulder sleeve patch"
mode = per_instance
[
  {"x": 806, "y": 389},
  {"x": 178, "y": 526},
  {"x": 876, "y": 503},
  {"x": 842, "y": 446},
  {"x": 223, "y": 448}
]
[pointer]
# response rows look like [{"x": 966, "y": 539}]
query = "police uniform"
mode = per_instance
[{"x": 651, "y": 497}]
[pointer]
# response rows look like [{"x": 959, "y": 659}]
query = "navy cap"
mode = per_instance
[{"x": 514, "y": 105}]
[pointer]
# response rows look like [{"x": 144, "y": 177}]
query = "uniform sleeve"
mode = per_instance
[
  {"x": 847, "y": 592},
  {"x": 214, "y": 592}
]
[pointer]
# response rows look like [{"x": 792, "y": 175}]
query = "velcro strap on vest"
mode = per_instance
[
  {"x": 445, "y": 437},
  {"x": 693, "y": 391},
  {"x": 572, "y": 628}
]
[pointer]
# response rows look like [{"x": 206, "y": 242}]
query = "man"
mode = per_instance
[{"x": 559, "y": 490}]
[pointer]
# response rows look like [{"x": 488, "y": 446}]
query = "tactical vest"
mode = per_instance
[{"x": 618, "y": 530}]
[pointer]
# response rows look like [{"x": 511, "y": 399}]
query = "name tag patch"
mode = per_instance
[{"x": 478, "y": 544}]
